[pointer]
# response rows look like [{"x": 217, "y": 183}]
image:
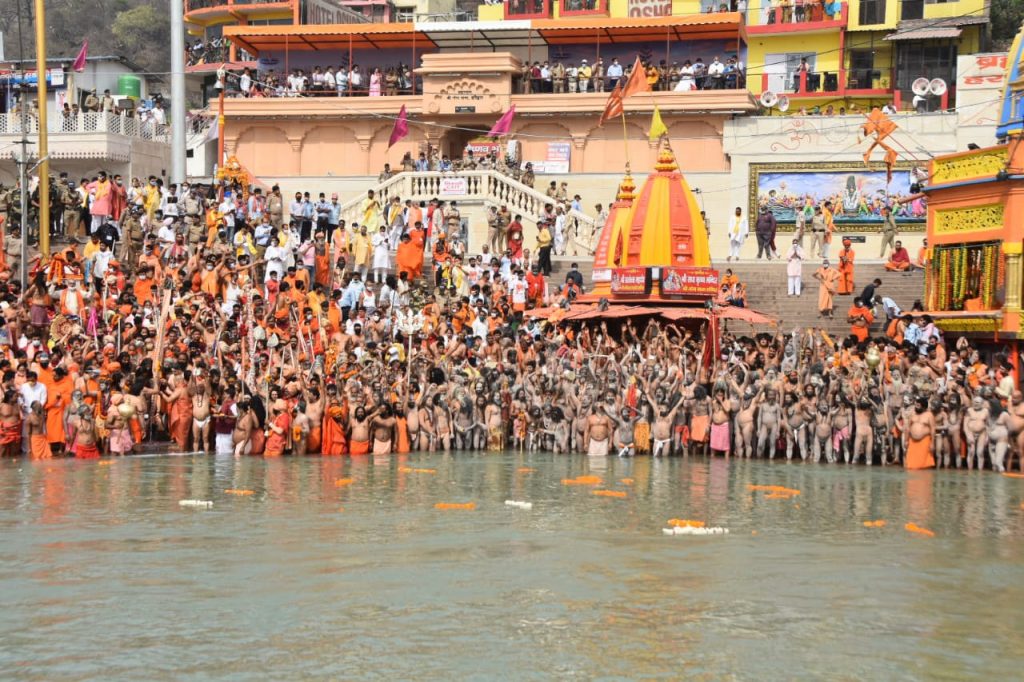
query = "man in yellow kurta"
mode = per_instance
[
  {"x": 829, "y": 279},
  {"x": 370, "y": 208},
  {"x": 360, "y": 247},
  {"x": 152, "y": 198}
]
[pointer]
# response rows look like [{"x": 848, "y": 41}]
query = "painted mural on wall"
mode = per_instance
[{"x": 857, "y": 194}]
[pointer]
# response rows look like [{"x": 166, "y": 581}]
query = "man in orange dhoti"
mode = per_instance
[
  {"x": 58, "y": 396},
  {"x": 38, "y": 448},
  {"x": 280, "y": 429},
  {"x": 846, "y": 268},
  {"x": 828, "y": 278},
  {"x": 333, "y": 431},
  {"x": 920, "y": 451}
]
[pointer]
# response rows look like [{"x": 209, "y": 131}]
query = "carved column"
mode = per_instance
[
  {"x": 1014, "y": 279},
  {"x": 579, "y": 144}
]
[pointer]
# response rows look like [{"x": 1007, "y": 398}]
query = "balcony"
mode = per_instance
[
  {"x": 528, "y": 9},
  {"x": 795, "y": 16},
  {"x": 583, "y": 8},
  {"x": 106, "y": 137},
  {"x": 203, "y": 13},
  {"x": 831, "y": 84}
]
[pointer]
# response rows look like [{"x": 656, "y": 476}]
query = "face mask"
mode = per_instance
[{"x": 209, "y": 267}]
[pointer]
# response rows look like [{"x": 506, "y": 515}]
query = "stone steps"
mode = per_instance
[{"x": 767, "y": 286}]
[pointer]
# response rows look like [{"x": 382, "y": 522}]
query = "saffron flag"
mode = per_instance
[
  {"x": 658, "y": 128},
  {"x": 79, "y": 63},
  {"x": 613, "y": 107},
  {"x": 504, "y": 124},
  {"x": 637, "y": 80},
  {"x": 401, "y": 128}
]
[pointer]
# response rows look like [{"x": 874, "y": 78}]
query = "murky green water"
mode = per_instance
[{"x": 103, "y": 576}]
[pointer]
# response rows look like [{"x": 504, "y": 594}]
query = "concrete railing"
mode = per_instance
[
  {"x": 87, "y": 122},
  {"x": 488, "y": 187}
]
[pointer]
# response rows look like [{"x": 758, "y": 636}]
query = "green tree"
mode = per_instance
[
  {"x": 141, "y": 35},
  {"x": 1006, "y": 17}
]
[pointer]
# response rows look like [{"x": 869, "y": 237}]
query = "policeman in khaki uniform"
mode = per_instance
[
  {"x": 71, "y": 205},
  {"x": 131, "y": 229},
  {"x": 193, "y": 209}
]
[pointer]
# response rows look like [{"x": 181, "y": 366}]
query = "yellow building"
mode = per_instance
[{"x": 818, "y": 54}]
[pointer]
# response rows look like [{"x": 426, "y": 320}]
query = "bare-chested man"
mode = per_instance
[
  {"x": 245, "y": 425},
  {"x": 201, "y": 412},
  {"x": 976, "y": 431},
  {"x": 769, "y": 418},
  {"x": 383, "y": 426},
  {"x": 596, "y": 435}
]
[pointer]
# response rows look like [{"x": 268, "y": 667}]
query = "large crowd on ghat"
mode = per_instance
[{"x": 269, "y": 326}]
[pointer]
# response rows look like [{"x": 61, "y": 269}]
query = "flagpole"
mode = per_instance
[
  {"x": 44, "y": 152},
  {"x": 625, "y": 142}
]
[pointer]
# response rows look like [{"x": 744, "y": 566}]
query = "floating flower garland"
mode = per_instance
[
  {"x": 449, "y": 506},
  {"x": 914, "y": 528},
  {"x": 234, "y": 491},
  {"x": 608, "y": 493},
  {"x": 874, "y": 524},
  {"x": 582, "y": 480}
]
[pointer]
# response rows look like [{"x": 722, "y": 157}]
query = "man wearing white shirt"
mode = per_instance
[
  {"x": 276, "y": 261},
  {"x": 738, "y": 230},
  {"x": 296, "y": 208},
  {"x": 166, "y": 236},
  {"x": 614, "y": 73},
  {"x": 716, "y": 74},
  {"x": 100, "y": 262},
  {"x": 245, "y": 82},
  {"x": 169, "y": 202},
  {"x": 227, "y": 209}
]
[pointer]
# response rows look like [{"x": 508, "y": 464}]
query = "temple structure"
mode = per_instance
[
  {"x": 654, "y": 245},
  {"x": 976, "y": 228}
]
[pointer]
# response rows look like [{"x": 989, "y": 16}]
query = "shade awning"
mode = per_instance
[
  {"x": 258, "y": 39},
  {"x": 926, "y": 33},
  {"x": 717, "y": 25},
  {"x": 497, "y": 35}
]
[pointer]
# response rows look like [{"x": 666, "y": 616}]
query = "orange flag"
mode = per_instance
[
  {"x": 613, "y": 107},
  {"x": 637, "y": 80}
]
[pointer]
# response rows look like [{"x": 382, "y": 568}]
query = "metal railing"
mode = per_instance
[
  {"x": 87, "y": 122},
  {"x": 794, "y": 12}
]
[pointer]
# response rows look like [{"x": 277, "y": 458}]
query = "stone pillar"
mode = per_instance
[{"x": 1014, "y": 276}]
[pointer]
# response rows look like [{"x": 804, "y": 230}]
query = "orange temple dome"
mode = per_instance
[{"x": 660, "y": 225}]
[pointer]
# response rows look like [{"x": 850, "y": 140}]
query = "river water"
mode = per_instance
[{"x": 104, "y": 576}]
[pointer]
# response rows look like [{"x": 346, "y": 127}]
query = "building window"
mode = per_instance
[
  {"x": 872, "y": 12},
  {"x": 862, "y": 74},
  {"x": 938, "y": 2},
  {"x": 915, "y": 60},
  {"x": 911, "y": 9}
]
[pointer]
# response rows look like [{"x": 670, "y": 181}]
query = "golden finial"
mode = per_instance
[{"x": 666, "y": 161}]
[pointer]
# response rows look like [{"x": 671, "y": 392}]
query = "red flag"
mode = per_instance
[
  {"x": 613, "y": 107},
  {"x": 401, "y": 128},
  {"x": 504, "y": 124},
  {"x": 637, "y": 80},
  {"x": 79, "y": 63}
]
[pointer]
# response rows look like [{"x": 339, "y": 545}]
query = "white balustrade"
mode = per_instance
[
  {"x": 485, "y": 186},
  {"x": 86, "y": 122}
]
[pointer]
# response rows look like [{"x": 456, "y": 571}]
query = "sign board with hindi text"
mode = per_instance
[
  {"x": 454, "y": 187},
  {"x": 649, "y": 8},
  {"x": 556, "y": 159},
  {"x": 689, "y": 282},
  {"x": 631, "y": 281}
]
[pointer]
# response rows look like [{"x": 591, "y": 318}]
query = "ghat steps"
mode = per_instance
[{"x": 767, "y": 287}]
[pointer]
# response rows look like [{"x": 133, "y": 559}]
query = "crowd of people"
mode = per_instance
[{"x": 215, "y": 319}]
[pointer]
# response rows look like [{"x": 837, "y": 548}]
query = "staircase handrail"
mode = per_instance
[{"x": 489, "y": 186}]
